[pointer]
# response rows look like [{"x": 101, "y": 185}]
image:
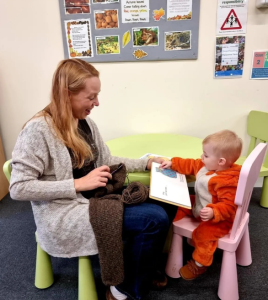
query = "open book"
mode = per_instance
[
  {"x": 151, "y": 155},
  {"x": 169, "y": 186}
]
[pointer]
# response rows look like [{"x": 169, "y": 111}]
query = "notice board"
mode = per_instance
[{"x": 130, "y": 30}]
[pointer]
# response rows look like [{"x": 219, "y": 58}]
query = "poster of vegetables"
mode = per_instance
[
  {"x": 78, "y": 36},
  {"x": 107, "y": 44},
  {"x": 179, "y": 10},
  {"x": 146, "y": 36},
  {"x": 106, "y": 19}
]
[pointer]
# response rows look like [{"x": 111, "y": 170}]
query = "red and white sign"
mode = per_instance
[
  {"x": 231, "y": 22},
  {"x": 232, "y": 17}
]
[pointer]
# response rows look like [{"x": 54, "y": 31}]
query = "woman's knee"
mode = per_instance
[
  {"x": 146, "y": 217},
  {"x": 157, "y": 217}
]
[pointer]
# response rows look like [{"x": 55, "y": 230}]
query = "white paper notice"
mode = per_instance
[
  {"x": 78, "y": 36},
  {"x": 232, "y": 16},
  {"x": 229, "y": 54},
  {"x": 179, "y": 10},
  {"x": 135, "y": 11}
]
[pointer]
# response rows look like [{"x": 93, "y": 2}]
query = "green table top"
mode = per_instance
[{"x": 164, "y": 144}]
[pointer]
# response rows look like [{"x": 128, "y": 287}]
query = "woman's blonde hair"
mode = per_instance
[
  {"x": 69, "y": 77},
  {"x": 225, "y": 144}
]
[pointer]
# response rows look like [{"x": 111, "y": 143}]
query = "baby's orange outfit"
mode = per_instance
[{"x": 212, "y": 189}]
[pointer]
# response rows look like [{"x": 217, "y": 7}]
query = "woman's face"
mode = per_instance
[{"x": 83, "y": 102}]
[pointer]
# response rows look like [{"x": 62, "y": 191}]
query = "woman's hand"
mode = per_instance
[
  {"x": 158, "y": 160},
  {"x": 94, "y": 179},
  {"x": 206, "y": 214}
]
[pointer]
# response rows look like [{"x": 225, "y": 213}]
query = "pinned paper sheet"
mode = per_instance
[
  {"x": 107, "y": 44},
  {"x": 229, "y": 57},
  {"x": 232, "y": 17},
  {"x": 177, "y": 40},
  {"x": 145, "y": 36},
  {"x": 260, "y": 65},
  {"x": 179, "y": 10},
  {"x": 78, "y": 33},
  {"x": 106, "y": 19}
]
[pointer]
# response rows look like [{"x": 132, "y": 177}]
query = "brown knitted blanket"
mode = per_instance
[{"x": 106, "y": 217}]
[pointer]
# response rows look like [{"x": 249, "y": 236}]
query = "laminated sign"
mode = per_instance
[{"x": 232, "y": 17}]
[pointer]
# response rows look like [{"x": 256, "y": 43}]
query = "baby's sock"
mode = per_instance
[
  {"x": 198, "y": 264},
  {"x": 117, "y": 294}
]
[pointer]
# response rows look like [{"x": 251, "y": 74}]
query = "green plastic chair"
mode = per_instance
[
  {"x": 43, "y": 270},
  {"x": 257, "y": 129}
]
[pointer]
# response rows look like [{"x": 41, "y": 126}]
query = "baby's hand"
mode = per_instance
[
  {"x": 166, "y": 164},
  {"x": 206, "y": 214},
  {"x": 158, "y": 160}
]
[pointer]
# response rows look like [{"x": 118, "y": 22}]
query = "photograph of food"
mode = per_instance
[
  {"x": 77, "y": 7},
  {"x": 105, "y": 1},
  {"x": 147, "y": 36},
  {"x": 107, "y": 44},
  {"x": 107, "y": 18},
  {"x": 177, "y": 40}
]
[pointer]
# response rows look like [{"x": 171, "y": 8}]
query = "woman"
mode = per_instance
[{"x": 59, "y": 158}]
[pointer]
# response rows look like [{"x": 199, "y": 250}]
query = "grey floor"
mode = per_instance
[{"x": 17, "y": 263}]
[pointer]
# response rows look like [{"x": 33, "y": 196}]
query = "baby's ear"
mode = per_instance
[{"x": 222, "y": 161}]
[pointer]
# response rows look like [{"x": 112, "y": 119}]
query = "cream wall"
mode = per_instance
[{"x": 166, "y": 96}]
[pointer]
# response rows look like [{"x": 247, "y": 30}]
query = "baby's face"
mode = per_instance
[{"x": 209, "y": 158}]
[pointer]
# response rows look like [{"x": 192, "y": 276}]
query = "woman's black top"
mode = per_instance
[{"x": 89, "y": 165}]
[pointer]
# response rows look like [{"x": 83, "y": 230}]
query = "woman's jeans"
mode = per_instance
[{"x": 145, "y": 228}]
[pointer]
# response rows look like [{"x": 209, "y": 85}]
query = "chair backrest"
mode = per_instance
[
  {"x": 247, "y": 179},
  {"x": 257, "y": 125},
  {"x": 7, "y": 169}
]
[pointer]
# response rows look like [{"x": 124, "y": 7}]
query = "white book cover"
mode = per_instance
[{"x": 169, "y": 186}]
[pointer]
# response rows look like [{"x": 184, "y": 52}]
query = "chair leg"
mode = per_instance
[
  {"x": 168, "y": 240},
  {"x": 175, "y": 257},
  {"x": 243, "y": 252},
  {"x": 43, "y": 269},
  {"x": 264, "y": 193},
  {"x": 228, "y": 285},
  {"x": 86, "y": 281}
]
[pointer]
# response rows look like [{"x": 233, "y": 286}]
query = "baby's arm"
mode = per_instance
[
  {"x": 166, "y": 164},
  {"x": 186, "y": 166}
]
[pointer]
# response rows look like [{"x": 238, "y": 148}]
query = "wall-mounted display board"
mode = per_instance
[{"x": 130, "y": 30}]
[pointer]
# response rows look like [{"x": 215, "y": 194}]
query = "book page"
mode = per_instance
[
  {"x": 169, "y": 186},
  {"x": 151, "y": 155}
]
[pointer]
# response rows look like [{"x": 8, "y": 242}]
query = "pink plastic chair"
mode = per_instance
[{"x": 235, "y": 245}]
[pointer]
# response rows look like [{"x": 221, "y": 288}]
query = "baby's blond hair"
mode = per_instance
[{"x": 225, "y": 144}]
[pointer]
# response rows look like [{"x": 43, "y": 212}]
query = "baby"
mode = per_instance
[{"x": 213, "y": 204}]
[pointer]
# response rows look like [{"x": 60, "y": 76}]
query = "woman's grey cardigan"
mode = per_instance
[{"x": 42, "y": 173}]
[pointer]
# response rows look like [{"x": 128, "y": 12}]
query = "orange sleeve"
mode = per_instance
[
  {"x": 223, "y": 197},
  {"x": 186, "y": 166}
]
